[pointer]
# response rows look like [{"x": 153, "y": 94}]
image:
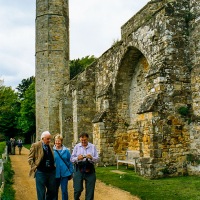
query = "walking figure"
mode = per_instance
[
  {"x": 19, "y": 145},
  {"x": 13, "y": 145},
  {"x": 8, "y": 144}
]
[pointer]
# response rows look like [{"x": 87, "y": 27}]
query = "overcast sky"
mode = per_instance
[{"x": 94, "y": 26}]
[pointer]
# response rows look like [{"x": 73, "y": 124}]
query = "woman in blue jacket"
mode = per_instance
[{"x": 64, "y": 168}]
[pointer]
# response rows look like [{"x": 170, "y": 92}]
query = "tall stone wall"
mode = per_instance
[
  {"x": 194, "y": 42},
  {"x": 141, "y": 83},
  {"x": 81, "y": 93},
  {"x": 141, "y": 94},
  {"x": 52, "y": 58}
]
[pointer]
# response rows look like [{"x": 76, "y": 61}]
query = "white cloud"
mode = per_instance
[
  {"x": 16, "y": 41},
  {"x": 94, "y": 25}
]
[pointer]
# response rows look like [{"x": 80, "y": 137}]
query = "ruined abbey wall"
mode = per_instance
[
  {"x": 194, "y": 44},
  {"x": 143, "y": 93}
]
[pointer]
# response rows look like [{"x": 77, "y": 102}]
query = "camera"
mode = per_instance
[{"x": 48, "y": 163}]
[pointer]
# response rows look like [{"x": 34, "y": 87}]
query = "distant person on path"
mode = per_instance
[
  {"x": 84, "y": 156},
  {"x": 19, "y": 145},
  {"x": 41, "y": 160},
  {"x": 13, "y": 145},
  {"x": 8, "y": 144},
  {"x": 64, "y": 167}
]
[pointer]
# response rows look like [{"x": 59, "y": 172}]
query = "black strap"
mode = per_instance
[{"x": 63, "y": 160}]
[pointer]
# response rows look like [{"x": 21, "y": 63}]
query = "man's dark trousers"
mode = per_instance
[
  {"x": 90, "y": 180},
  {"x": 45, "y": 185}
]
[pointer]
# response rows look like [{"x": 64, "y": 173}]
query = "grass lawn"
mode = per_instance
[
  {"x": 28, "y": 146},
  {"x": 176, "y": 188}
]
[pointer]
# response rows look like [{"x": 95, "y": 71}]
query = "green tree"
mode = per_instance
[
  {"x": 26, "y": 120},
  {"x": 9, "y": 109},
  {"x": 23, "y": 86},
  {"x": 78, "y": 65}
]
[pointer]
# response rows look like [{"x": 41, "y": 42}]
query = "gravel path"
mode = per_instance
[{"x": 25, "y": 185}]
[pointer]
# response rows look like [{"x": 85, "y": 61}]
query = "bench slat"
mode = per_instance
[{"x": 131, "y": 157}]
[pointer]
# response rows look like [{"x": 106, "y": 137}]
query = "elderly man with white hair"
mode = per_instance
[{"x": 41, "y": 160}]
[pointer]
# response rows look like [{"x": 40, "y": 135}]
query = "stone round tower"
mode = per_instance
[{"x": 52, "y": 62}]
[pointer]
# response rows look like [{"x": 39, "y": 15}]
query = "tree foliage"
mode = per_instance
[
  {"x": 78, "y": 65},
  {"x": 9, "y": 109},
  {"x": 17, "y": 110},
  {"x": 24, "y": 85},
  {"x": 26, "y": 120}
]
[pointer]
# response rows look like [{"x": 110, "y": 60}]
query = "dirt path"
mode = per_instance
[{"x": 25, "y": 186}]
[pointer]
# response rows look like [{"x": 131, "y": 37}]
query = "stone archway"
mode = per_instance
[{"x": 130, "y": 90}]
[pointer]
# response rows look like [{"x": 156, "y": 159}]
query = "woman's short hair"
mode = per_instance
[{"x": 59, "y": 137}]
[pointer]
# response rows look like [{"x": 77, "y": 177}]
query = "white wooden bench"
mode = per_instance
[{"x": 131, "y": 158}]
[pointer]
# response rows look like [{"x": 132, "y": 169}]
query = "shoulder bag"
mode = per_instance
[{"x": 71, "y": 176}]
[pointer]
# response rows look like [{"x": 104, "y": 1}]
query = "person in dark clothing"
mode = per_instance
[
  {"x": 41, "y": 160},
  {"x": 8, "y": 144},
  {"x": 13, "y": 145},
  {"x": 19, "y": 145}
]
